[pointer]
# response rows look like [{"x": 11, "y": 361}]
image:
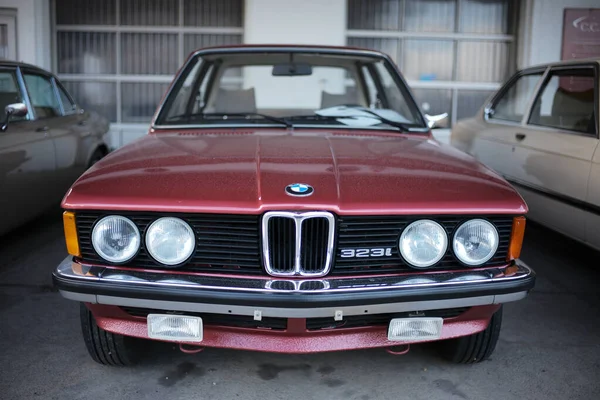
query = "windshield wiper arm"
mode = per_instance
[
  {"x": 391, "y": 122},
  {"x": 281, "y": 121}
]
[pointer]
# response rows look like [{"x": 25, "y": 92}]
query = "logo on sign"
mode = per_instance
[{"x": 583, "y": 25}]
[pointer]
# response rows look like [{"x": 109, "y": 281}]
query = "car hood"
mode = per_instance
[{"x": 247, "y": 172}]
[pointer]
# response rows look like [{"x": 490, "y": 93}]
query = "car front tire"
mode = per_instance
[
  {"x": 474, "y": 348},
  {"x": 107, "y": 348}
]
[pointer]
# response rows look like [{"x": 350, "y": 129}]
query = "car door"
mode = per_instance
[
  {"x": 48, "y": 111},
  {"x": 73, "y": 139},
  {"x": 27, "y": 160},
  {"x": 493, "y": 133},
  {"x": 555, "y": 147}
]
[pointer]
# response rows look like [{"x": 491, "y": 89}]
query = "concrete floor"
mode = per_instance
[{"x": 549, "y": 346}]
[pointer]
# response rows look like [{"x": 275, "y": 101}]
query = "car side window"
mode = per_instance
[
  {"x": 9, "y": 92},
  {"x": 42, "y": 95},
  {"x": 567, "y": 101},
  {"x": 512, "y": 103},
  {"x": 68, "y": 105}
]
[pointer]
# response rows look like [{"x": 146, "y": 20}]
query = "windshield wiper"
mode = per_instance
[
  {"x": 345, "y": 115},
  {"x": 281, "y": 121}
]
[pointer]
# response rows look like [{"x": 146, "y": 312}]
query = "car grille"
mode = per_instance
[
  {"x": 232, "y": 243},
  {"x": 225, "y": 243}
]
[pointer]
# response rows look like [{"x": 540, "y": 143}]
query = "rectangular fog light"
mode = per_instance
[
  {"x": 178, "y": 328},
  {"x": 415, "y": 329}
]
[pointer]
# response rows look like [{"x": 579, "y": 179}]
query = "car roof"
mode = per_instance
[
  {"x": 292, "y": 48},
  {"x": 19, "y": 64},
  {"x": 594, "y": 60}
]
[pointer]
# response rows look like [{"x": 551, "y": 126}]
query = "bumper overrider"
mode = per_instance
[{"x": 481, "y": 291}]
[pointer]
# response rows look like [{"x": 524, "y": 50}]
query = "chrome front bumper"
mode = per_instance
[{"x": 311, "y": 298}]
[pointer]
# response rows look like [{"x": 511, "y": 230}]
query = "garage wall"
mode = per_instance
[
  {"x": 33, "y": 30},
  {"x": 546, "y": 21}
]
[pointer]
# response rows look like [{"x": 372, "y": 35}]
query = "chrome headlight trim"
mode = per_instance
[
  {"x": 152, "y": 251},
  {"x": 433, "y": 261},
  {"x": 130, "y": 253},
  {"x": 456, "y": 243}
]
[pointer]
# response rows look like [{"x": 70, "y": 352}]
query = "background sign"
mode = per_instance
[{"x": 581, "y": 33}]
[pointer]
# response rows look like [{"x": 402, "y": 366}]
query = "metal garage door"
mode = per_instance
[
  {"x": 118, "y": 56},
  {"x": 454, "y": 53}
]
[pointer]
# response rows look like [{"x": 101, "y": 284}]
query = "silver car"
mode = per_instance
[
  {"x": 46, "y": 142},
  {"x": 540, "y": 131}
]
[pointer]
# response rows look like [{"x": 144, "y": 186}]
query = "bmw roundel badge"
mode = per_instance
[{"x": 299, "y": 189}]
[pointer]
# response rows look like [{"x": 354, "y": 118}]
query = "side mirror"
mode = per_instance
[
  {"x": 435, "y": 121},
  {"x": 488, "y": 112},
  {"x": 16, "y": 110}
]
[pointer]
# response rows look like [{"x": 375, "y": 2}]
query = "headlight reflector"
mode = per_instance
[
  {"x": 116, "y": 238},
  {"x": 475, "y": 242},
  {"x": 170, "y": 241},
  {"x": 423, "y": 243}
]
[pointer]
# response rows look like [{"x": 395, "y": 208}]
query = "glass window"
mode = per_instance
[
  {"x": 434, "y": 102},
  {"x": 139, "y": 100},
  {"x": 246, "y": 84},
  {"x": 482, "y": 61},
  {"x": 42, "y": 95},
  {"x": 470, "y": 101},
  {"x": 567, "y": 101},
  {"x": 489, "y": 16},
  {"x": 68, "y": 105},
  {"x": 428, "y": 60},
  {"x": 97, "y": 96},
  {"x": 149, "y": 53},
  {"x": 511, "y": 104},
  {"x": 429, "y": 15},
  {"x": 9, "y": 92}
]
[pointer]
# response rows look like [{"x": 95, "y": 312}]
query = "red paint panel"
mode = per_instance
[
  {"x": 295, "y": 340},
  {"x": 352, "y": 172}
]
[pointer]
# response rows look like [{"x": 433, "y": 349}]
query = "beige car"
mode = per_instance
[
  {"x": 540, "y": 131},
  {"x": 46, "y": 142}
]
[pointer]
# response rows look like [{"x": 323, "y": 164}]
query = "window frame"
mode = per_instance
[
  {"x": 16, "y": 71},
  {"x": 59, "y": 86},
  {"x": 489, "y": 108},
  {"x": 50, "y": 77},
  {"x": 542, "y": 87}
]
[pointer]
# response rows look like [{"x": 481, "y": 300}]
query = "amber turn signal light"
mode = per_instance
[
  {"x": 71, "y": 234},
  {"x": 516, "y": 238}
]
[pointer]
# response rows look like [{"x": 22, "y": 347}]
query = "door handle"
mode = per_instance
[
  {"x": 520, "y": 136},
  {"x": 42, "y": 129}
]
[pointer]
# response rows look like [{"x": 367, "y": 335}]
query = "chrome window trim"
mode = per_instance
[
  {"x": 491, "y": 104},
  {"x": 542, "y": 86},
  {"x": 298, "y": 218}
]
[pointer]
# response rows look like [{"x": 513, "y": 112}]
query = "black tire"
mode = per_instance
[
  {"x": 107, "y": 348},
  {"x": 96, "y": 156},
  {"x": 474, "y": 348}
]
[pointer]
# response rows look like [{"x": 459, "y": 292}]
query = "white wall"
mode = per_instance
[
  {"x": 545, "y": 22},
  {"x": 33, "y": 30},
  {"x": 299, "y": 22}
]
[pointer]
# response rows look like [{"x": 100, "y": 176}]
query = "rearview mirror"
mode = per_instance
[
  {"x": 436, "y": 121},
  {"x": 16, "y": 110},
  {"x": 292, "y": 69}
]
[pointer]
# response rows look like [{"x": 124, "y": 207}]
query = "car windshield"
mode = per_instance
[{"x": 290, "y": 89}]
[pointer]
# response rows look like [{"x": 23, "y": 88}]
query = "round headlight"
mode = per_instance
[
  {"x": 423, "y": 243},
  {"x": 170, "y": 241},
  {"x": 475, "y": 242},
  {"x": 116, "y": 238}
]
